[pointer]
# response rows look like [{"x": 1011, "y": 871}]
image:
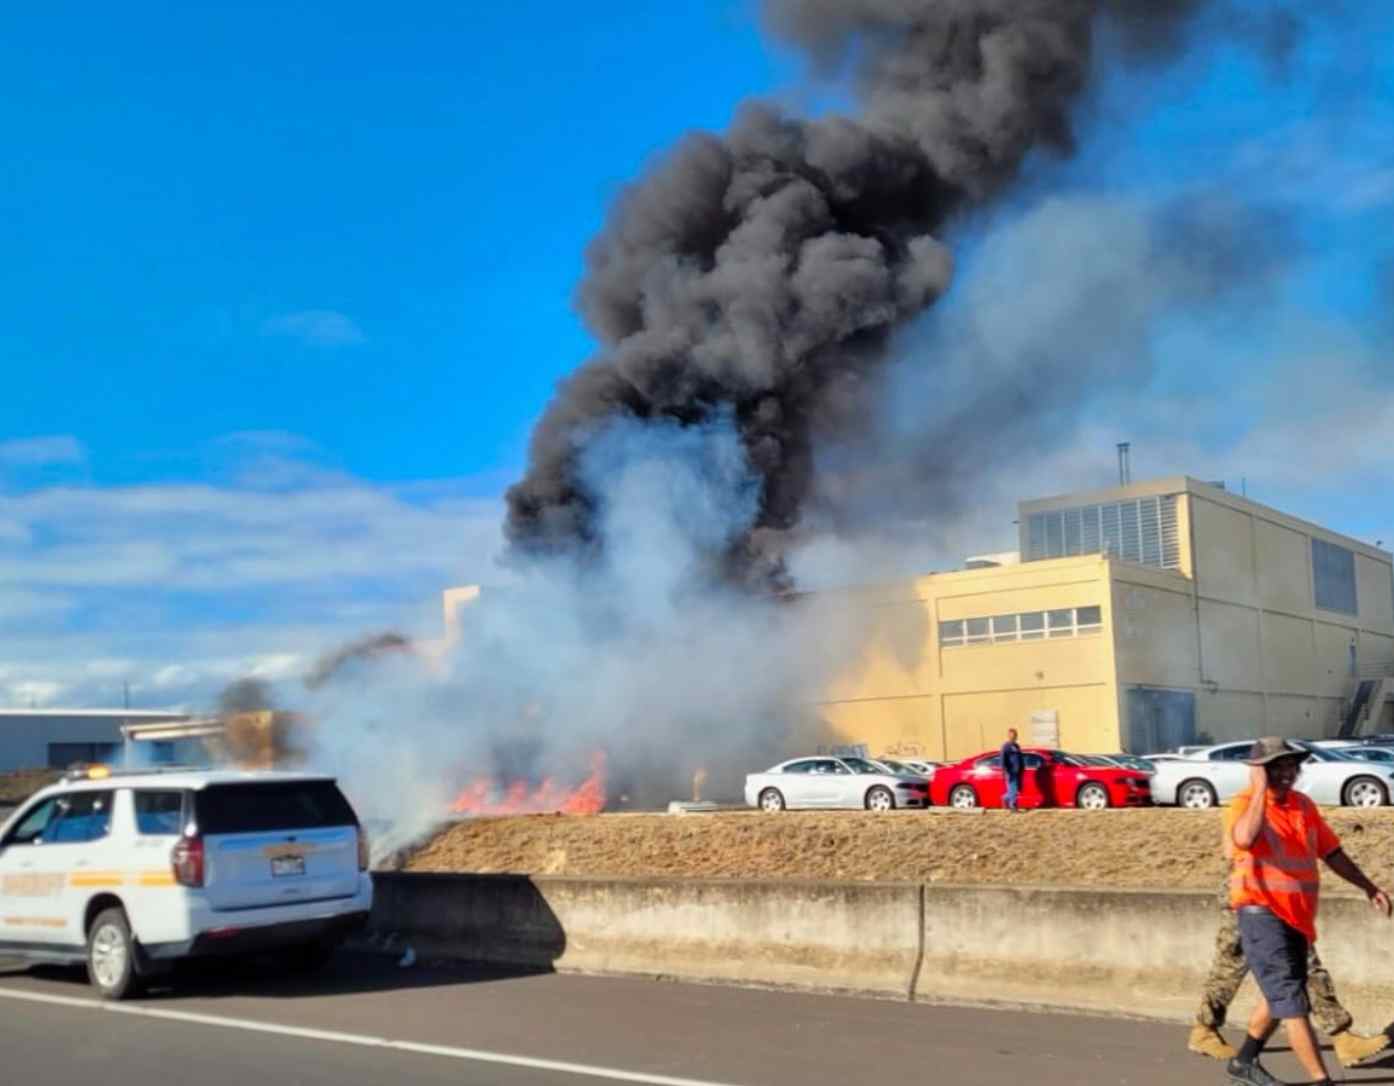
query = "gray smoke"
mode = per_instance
[{"x": 763, "y": 273}]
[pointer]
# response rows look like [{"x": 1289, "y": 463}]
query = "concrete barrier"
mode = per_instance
[
  {"x": 1135, "y": 952},
  {"x": 858, "y": 937}
]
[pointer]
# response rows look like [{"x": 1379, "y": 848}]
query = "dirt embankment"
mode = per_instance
[{"x": 1139, "y": 848}]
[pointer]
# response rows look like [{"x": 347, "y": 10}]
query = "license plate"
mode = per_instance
[{"x": 283, "y": 866}]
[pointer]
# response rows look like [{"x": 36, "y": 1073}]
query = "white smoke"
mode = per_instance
[{"x": 645, "y": 654}]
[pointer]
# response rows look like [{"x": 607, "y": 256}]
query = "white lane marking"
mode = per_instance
[{"x": 363, "y": 1040}]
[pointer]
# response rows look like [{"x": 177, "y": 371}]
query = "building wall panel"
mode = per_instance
[
  {"x": 1154, "y": 636},
  {"x": 1374, "y": 594},
  {"x": 904, "y": 727},
  {"x": 979, "y": 721},
  {"x": 1226, "y": 715},
  {"x": 1224, "y": 551},
  {"x": 1284, "y": 573},
  {"x": 1332, "y": 665},
  {"x": 1288, "y": 660},
  {"x": 1230, "y": 645}
]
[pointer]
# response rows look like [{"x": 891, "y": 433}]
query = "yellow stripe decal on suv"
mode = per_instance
[{"x": 96, "y": 878}]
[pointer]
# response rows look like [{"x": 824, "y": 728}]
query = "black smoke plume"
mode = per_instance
[{"x": 762, "y": 273}]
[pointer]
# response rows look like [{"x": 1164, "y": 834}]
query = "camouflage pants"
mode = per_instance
[{"x": 1227, "y": 973}]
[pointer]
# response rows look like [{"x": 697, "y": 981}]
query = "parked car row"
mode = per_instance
[
  {"x": 1338, "y": 773},
  {"x": 1051, "y": 778}
]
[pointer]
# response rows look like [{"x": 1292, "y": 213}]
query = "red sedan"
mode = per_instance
[{"x": 1051, "y": 778}]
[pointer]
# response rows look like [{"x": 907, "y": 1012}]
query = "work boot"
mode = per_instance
[
  {"x": 1251, "y": 1074},
  {"x": 1208, "y": 1041},
  {"x": 1352, "y": 1048}
]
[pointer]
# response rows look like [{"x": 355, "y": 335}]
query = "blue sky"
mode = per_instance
[{"x": 284, "y": 288}]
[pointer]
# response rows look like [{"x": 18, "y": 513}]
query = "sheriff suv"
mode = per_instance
[{"x": 132, "y": 871}]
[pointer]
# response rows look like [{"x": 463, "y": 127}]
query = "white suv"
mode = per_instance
[{"x": 130, "y": 871}]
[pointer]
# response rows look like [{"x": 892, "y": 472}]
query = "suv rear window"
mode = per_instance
[
  {"x": 159, "y": 813},
  {"x": 267, "y": 806}
]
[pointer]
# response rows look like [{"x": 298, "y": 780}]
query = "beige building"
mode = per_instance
[{"x": 1135, "y": 618}]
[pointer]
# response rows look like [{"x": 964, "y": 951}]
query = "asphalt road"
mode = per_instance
[{"x": 367, "y": 1023}]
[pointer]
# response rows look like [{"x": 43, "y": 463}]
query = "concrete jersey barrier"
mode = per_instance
[
  {"x": 857, "y": 937},
  {"x": 1137, "y": 952}
]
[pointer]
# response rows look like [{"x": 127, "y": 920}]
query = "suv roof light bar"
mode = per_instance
[{"x": 102, "y": 772}]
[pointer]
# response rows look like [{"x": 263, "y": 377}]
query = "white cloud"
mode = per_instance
[
  {"x": 177, "y": 589},
  {"x": 42, "y": 451},
  {"x": 317, "y": 327}
]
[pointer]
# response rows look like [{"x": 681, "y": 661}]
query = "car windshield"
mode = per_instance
[
  {"x": 861, "y": 765},
  {"x": 1092, "y": 759},
  {"x": 897, "y": 767}
]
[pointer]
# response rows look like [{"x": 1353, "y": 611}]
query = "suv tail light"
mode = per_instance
[
  {"x": 362, "y": 849},
  {"x": 187, "y": 861}
]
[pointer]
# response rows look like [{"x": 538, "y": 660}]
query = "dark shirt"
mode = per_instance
[{"x": 1012, "y": 762}]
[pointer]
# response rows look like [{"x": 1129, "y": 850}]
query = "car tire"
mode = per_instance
[
  {"x": 963, "y": 797},
  {"x": 1092, "y": 796},
  {"x": 111, "y": 956},
  {"x": 772, "y": 801},
  {"x": 1364, "y": 792},
  {"x": 1196, "y": 795},
  {"x": 880, "y": 799}
]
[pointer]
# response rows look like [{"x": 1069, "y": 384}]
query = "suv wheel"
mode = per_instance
[{"x": 111, "y": 956}]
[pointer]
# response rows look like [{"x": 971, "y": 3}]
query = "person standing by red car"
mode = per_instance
[{"x": 1013, "y": 765}]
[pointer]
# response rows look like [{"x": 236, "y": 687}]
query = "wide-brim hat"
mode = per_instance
[{"x": 1271, "y": 747}]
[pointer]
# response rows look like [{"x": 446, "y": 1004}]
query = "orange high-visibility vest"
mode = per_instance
[{"x": 1279, "y": 871}]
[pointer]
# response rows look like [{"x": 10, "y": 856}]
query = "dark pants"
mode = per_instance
[{"x": 1277, "y": 956}]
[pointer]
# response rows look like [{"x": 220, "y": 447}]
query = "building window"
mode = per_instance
[
  {"x": 63, "y": 755},
  {"x": 1004, "y": 628},
  {"x": 1143, "y": 530},
  {"x": 1060, "y": 623},
  {"x": 1024, "y": 626},
  {"x": 1333, "y": 577}
]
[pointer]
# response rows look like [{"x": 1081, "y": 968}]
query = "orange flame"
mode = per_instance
[{"x": 488, "y": 796}]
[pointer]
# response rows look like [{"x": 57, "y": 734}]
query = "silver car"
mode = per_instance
[
  {"x": 1208, "y": 776},
  {"x": 826, "y": 782}
]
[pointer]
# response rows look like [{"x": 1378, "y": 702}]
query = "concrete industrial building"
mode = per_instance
[
  {"x": 57, "y": 738},
  {"x": 1135, "y": 618}
]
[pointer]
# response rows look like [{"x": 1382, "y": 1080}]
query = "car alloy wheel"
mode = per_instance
[
  {"x": 1365, "y": 792},
  {"x": 771, "y": 800},
  {"x": 1197, "y": 795},
  {"x": 963, "y": 797},
  {"x": 111, "y": 956},
  {"x": 880, "y": 799},
  {"x": 1092, "y": 797}
]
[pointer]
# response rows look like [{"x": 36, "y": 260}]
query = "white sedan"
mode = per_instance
[
  {"x": 1208, "y": 776},
  {"x": 833, "y": 782}
]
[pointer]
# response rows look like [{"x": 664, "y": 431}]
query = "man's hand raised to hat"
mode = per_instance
[{"x": 1258, "y": 777}]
